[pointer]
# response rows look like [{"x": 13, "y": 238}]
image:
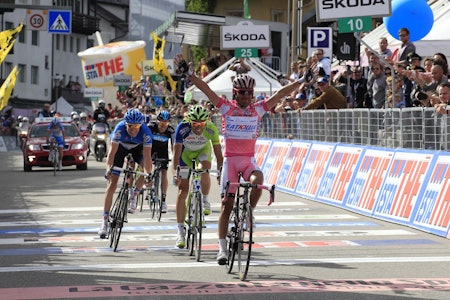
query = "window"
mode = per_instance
[
  {"x": 9, "y": 25},
  {"x": 35, "y": 75},
  {"x": 8, "y": 68},
  {"x": 279, "y": 16},
  {"x": 35, "y": 37},
  {"x": 22, "y": 35},
  {"x": 22, "y": 73}
]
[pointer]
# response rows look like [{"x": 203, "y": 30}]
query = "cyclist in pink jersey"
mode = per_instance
[{"x": 240, "y": 123}]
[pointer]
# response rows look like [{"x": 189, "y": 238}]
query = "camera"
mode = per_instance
[{"x": 421, "y": 96}]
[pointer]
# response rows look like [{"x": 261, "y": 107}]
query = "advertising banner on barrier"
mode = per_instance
[
  {"x": 275, "y": 160},
  {"x": 369, "y": 174},
  {"x": 315, "y": 166},
  {"x": 262, "y": 147},
  {"x": 295, "y": 160},
  {"x": 400, "y": 189},
  {"x": 432, "y": 211},
  {"x": 340, "y": 170}
]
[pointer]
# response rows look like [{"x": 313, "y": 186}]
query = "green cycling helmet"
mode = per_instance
[{"x": 197, "y": 113}]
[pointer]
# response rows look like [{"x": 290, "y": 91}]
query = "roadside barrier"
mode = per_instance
[{"x": 408, "y": 187}]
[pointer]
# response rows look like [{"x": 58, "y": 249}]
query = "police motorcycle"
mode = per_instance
[
  {"x": 22, "y": 131},
  {"x": 99, "y": 140}
]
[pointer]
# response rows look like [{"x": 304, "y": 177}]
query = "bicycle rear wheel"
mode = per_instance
[
  {"x": 118, "y": 218},
  {"x": 198, "y": 226},
  {"x": 231, "y": 240},
  {"x": 245, "y": 238}
]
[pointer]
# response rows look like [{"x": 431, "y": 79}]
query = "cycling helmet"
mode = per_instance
[
  {"x": 55, "y": 121},
  {"x": 243, "y": 81},
  {"x": 164, "y": 116},
  {"x": 75, "y": 116},
  {"x": 134, "y": 116},
  {"x": 73, "y": 113},
  {"x": 25, "y": 119},
  {"x": 198, "y": 112},
  {"x": 83, "y": 115},
  {"x": 101, "y": 103}
]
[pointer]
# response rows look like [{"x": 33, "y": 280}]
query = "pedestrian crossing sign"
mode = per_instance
[{"x": 60, "y": 21}]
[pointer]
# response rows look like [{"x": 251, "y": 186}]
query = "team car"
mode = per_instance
[{"x": 36, "y": 149}]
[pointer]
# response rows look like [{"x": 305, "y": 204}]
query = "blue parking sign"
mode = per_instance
[
  {"x": 320, "y": 38},
  {"x": 60, "y": 21}
]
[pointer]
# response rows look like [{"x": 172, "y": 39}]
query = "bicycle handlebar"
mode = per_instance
[
  {"x": 129, "y": 170},
  {"x": 246, "y": 184}
]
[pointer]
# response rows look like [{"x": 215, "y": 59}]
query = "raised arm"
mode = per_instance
[{"x": 203, "y": 86}]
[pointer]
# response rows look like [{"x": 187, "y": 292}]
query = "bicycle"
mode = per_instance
[
  {"x": 154, "y": 192},
  {"x": 53, "y": 154},
  {"x": 240, "y": 234},
  {"x": 195, "y": 219},
  {"x": 119, "y": 210}
]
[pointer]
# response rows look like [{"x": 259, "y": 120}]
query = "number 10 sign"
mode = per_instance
[{"x": 356, "y": 24}]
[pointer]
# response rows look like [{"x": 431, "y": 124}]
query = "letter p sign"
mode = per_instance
[{"x": 320, "y": 37}]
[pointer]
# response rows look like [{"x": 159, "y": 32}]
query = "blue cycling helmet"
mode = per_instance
[
  {"x": 55, "y": 121},
  {"x": 134, "y": 116},
  {"x": 164, "y": 116}
]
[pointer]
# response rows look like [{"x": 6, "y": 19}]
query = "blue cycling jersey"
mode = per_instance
[
  {"x": 120, "y": 135},
  {"x": 56, "y": 130}
]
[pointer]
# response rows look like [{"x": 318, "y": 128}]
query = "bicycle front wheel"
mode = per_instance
[
  {"x": 118, "y": 217},
  {"x": 231, "y": 239},
  {"x": 153, "y": 204},
  {"x": 198, "y": 226},
  {"x": 158, "y": 198},
  {"x": 55, "y": 161},
  {"x": 245, "y": 238},
  {"x": 190, "y": 240}
]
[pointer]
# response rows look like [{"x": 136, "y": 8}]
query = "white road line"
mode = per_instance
[
  {"x": 100, "y": 209},
  {"x": 127, "y": 237},
  {"x": 171, "y": 219},
  {"x": 284, "y": 262}
]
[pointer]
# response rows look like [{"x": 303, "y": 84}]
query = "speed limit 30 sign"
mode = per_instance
[{"x": 37, "y": 19}]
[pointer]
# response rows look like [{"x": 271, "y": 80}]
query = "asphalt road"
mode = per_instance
[{"x": 49, "y": 248}]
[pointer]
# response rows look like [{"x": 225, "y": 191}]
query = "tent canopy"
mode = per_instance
[
  {"x": 437, "y": 40},
  {"x": 62, "y": 106},
  {"x": 220, "y": 80}
]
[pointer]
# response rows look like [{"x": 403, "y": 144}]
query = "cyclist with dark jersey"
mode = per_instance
[
  {"x": 130, "y": 136},
  {"x": 162, "y": 134}
]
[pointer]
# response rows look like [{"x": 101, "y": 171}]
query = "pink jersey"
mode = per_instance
[{"x": 240, "y": 127}]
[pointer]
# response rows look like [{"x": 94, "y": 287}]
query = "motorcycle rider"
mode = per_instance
[
  {"x": 22, "y": 130},
  {"x": 162, "y": 134},
  {"x": 101, "y": 113},
  {"x": 85, "y": 128}
]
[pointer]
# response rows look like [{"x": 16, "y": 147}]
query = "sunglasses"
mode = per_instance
[
  {"x": 134, "y": 126},
  {"x": 245, "y": 92},
  {"x": 198, "y": 123}
]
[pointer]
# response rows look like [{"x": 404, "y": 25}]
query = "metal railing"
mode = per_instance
[{"x": 410, "y": 128}]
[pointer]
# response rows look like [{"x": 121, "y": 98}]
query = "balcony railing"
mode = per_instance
[{"x": 84, "y": 24}]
